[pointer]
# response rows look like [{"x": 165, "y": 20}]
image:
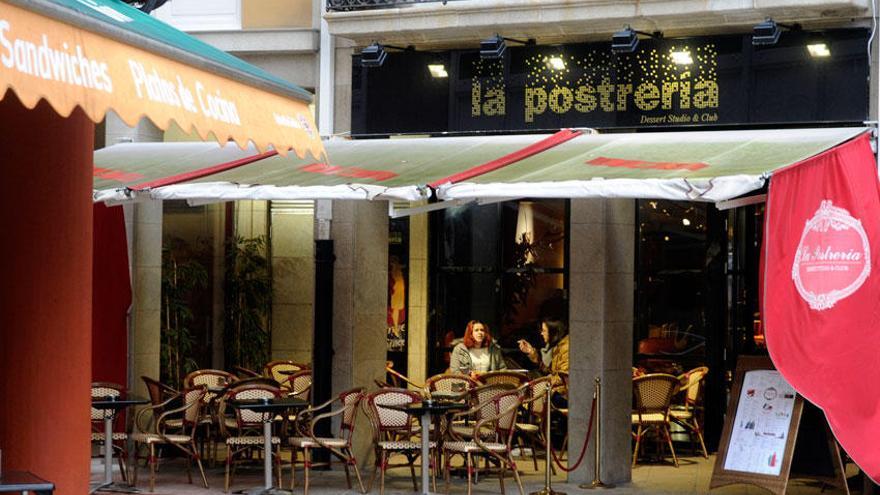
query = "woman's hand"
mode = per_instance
[{"x": 528, "y": 350}]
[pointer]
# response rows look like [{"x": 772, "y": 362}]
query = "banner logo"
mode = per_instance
[{"x": 833, "y": 258}]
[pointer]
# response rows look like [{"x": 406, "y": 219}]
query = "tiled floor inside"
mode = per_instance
[{"x": 692, "y": 477}]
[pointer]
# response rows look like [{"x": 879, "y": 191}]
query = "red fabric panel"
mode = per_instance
[
  {"x": 111, "y": 296},
  {"x": 822, "y": 290},
  {"x": 46, "y": 306}
]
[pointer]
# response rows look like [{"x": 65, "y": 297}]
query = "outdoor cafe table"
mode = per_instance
[
  {"x": 25, "y": 482},
  {"x": 270, "y": 408},
  {"x": 113, "y": 404},
  {"x": 425, "y": 409}
]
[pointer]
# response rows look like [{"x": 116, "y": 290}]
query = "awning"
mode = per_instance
[
  {"x": 704, "y": 166},
  {"x": 701, "y": 166},
  {"x": 103, "y": 54}
]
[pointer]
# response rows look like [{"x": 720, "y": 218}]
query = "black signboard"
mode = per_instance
[{"x": 806, "y": 78}]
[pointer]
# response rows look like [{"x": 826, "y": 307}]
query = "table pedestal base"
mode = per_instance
[
  {"x": 113, "y": 487},
  {"x": 265, "y": 491}
]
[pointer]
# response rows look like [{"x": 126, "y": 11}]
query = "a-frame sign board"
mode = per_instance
[{"x": 770, "y": 435}]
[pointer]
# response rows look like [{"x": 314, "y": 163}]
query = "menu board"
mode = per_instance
[{"x": 761, "y": 426}]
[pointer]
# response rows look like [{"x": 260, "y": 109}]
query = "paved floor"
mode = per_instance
[{"x": 691, "y": 478}]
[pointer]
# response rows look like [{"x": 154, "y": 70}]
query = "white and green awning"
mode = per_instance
[{"x": 702, "y": 166}]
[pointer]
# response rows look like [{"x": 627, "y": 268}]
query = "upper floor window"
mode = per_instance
[{"x": 198, "y": 15}]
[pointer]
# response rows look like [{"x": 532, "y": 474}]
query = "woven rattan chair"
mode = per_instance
[
  {"x": 499, "y": 413},
  {"x": 118, "y": 438},
  {"x": 208, "y": 420},
  {"x": 463, "y": 426},
  {"x": 280, "y": 369},
  {"x": 653, "y": 395},
  {"x": 299, "y": 385},
  {"x": 533, "y": 427},
  {"x": 687, "y": 412},
  {"x": 339, "y": 446},
  {"x": 248, "y": 433},
  {"x": 450, "y": 383},
  {"x": 514, "y": 378},
  {"x": 153, "y": 430},
  {"x": 393, "y": 432}
]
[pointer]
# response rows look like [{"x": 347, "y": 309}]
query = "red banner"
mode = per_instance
[{"x": 822, "y": 290}]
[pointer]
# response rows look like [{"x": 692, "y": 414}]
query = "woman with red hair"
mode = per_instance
[{"x": 476, "y": 353}]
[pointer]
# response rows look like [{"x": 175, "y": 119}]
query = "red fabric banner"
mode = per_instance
[{"x": 822, "y": 290}]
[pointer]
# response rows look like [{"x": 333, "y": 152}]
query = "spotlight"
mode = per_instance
[
  {"x": 818, "y": 50},
  {"x": 627, "y": 39},
  {"x": 438, "y": 70},
  {"x": 493, "y": 47},
  {"x": 768, "y": 32},
  {"x": 373, "y": 56}
]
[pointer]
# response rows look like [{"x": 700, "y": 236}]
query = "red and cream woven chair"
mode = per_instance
[
  {"x": 687, "y": 413},
  {"x": 463, "y": 425},
  {"x": 533, "y": 426},
  {"x": 653, "y": 395},
  {"x": 212, "y": 379},
  {"x": 248, "y": 435},
  {"x": 514, "y": 378},
  {"x": 499, "y": 413},
  {"x": 280, "y": 369},
  {"x": 154, "y": 429},
  {"x": 393, "y": 432},
  {"x": 339, "y": 446},
  {"x": 118, "y": 439},
  {"x": 299, "y": 385},
  {"x": 450, "y": 383}
]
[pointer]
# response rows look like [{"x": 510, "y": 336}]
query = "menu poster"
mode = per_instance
[{"x": 761, "y": 425}]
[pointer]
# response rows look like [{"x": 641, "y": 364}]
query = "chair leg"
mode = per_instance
[
  {"x": 470, "y": 472},
  {"x": 357, "y": 472},
  {"x": 278, "y": 465},
  {"x": 699, "y": 431},
  {"x": 375, "y": 469},
  {"x": 228, "y": 464},
  {"x": 152, "y": 467},
  {"x": 517, "y": 478},
  {"x": 199, "y": 465},
  {"x": 134, "y": 468},
  {"x": 501, "y": 470},
  {"x": 382, "y": 474},
  {"x": 412, "y": 470},
  {"x": 293, "y": 468},
  {"x": 446, "y": 468},
  {"x": 638, "y": 443},
  {"x": 189, "y": 476},
  {"x": 307, "y": 464},
  {"x": 669, "y": 442}
]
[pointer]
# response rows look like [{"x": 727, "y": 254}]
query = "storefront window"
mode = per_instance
[{"x": 503, "y": 264}]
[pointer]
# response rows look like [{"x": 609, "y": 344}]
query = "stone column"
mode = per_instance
[
  {"x": 601, "y": 314},
  {"x": 417, "y": 319},
  {"x": 359, "y": 230}
]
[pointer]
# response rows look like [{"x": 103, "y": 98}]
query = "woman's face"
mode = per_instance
[
  {"x": 479, "y": 333},
  {"x": 545, "y": 333}
]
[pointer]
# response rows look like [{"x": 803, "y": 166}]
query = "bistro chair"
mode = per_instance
[
  {"x": 248, "y": 434},
  {"x": 280, "y": 369},
  {"x": 653, "y": 395},
  {"x": 299, "y": 385},
  {"x": 515, "y": 378},
  {"x": 118, "y": 438},
  {"x": 154, "y": 429},
  {"x": 499, "y": 414},
  {"x": 213, "y": 380},
  {"x": 463, "y": 424},
  {"x": 533, "y": 426},
  {"x": 339, "y": 446},
  {"x": 393, "y": 433},
  {"x": 688, "y": 412},
  {"x": 450, "y": 383}
]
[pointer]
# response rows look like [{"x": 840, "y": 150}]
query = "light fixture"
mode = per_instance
[
  {"x": 685, "y": 222},
  {"x": 681, "y": 57},
  {"x": 627, "y": 39},
  {"x": 494, "y": 46},
  {"x": 375, "y": 54},
  {"x": 818, "y": 50},
  {"x": 555, "y": 63},
  {"x": 768, "y": 32},
  {"x": 437, "y": 70}
]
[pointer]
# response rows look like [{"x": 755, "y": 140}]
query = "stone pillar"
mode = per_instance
[
  {"x": 359, "y": 230},
  {"x": 293, "y": 279},
  {"x": 417, "y": 325},
  {"x": 46, "y": 308},
  {"x": 601, "y": 314}
]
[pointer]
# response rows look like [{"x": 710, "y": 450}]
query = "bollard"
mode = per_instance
[
  {"x": 547, "y": 490},
  {"x": 597, "y": 483}
]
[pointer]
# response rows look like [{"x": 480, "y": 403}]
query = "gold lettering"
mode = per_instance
[
  {"x": 495, "y": 102},
  {"x": 605, "y": 91},
  {"x": 647, "y": 96},
  {"x": 705, "y": 94},
  {"x": 586, "y": 101},
  {"x": 669, "y": 89},
  {"x": 475, "y": 99},
  {"x": 536, "y": 103},
  {"x": 560, "y": 99},
  {"x": 684, "y": 94},
  {"x": 622, "y": 91}
]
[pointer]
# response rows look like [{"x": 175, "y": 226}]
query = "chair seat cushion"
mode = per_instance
[
  {"x": 174, "y": 423},
  {"x": 250, "y": 440},
  {"x": 468, "y": 431},
  {"x": 154, "y": 438},
  {"x": 117, "y": 435},
  {"x": 307, "y": 442},
  {"x": 528, "y": 427},
  {"x": 682, "y": 414},
  {"x": 473, "y": 447},
  {"x": 403, "y": 445},
  {"x": 649, "y": 418}
]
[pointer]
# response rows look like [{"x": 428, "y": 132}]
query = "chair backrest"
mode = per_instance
[
  {"x": 350, "y": 400},
  {"x": 653, "y": 392},
  {"x": 105, "y": 389},
  {"x": 193, "y": 399},
  {"x": 299, "y": 385},
  {"x": 692, "y": 385},
  {"x": 503, "y": 407},
  {"x": 208, "y": 378},
  {"x": 275, "y": 369},
  {"x": 536, "y": 395},
  {"x": 515, "y": 378},
  {"x": 159, "y": 392},
  {"x": 450, "y": 382},
  {"x": 485, "y": 393},
  {"x": 384, "y": 419},
  {"x": 251, "y": 391}
]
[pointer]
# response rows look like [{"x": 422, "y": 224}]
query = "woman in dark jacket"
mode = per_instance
[{"x": 476, "y": 353}]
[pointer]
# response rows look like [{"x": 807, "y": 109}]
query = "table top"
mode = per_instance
[
  {"x": 443, "y": 395},
  {"x": 258, "y": 405},
  {"x": 119, "y": 402},
  {"x": 17, "y": 481},
  {"x": 430, "y": 407}
]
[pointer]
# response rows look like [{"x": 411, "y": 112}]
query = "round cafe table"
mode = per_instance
[{"x": 113, "y": 404}]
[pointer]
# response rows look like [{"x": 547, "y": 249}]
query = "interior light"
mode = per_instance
[
  {"x": 665, "y": 237},
  {"x": 818, "y": 50},
  {"x": 437, "y": 70},
  {"x": 685, "y": 222},
  {"x": 682, "y": 57},
  {"x": 555, "y": 63}
]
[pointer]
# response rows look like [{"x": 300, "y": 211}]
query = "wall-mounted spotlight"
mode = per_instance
[
  {"x": 768, "y": 32},
  {"x": 375, "y": 54},
  {"x": 494, "y": 46},
  {"x": 627, "y": 39}
]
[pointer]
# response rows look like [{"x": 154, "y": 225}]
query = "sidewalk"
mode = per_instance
[{"x": 661, "y": 479}]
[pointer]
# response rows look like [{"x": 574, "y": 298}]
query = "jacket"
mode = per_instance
[{"x": 460, "y": 362}]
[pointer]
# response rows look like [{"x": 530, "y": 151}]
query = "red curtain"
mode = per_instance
[
  {"x": 111, "y": 296},
  {"x": 822, "y": 290}
]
